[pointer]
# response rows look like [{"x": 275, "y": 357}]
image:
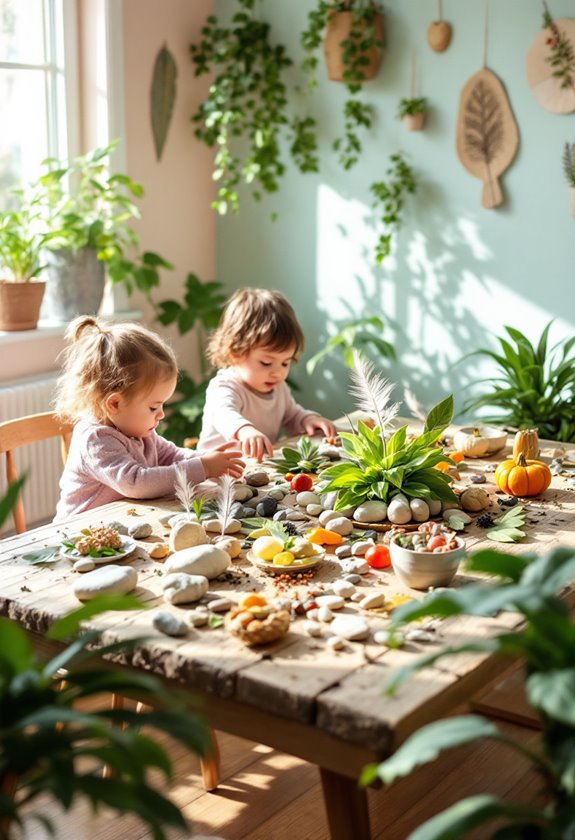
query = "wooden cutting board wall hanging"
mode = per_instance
[{"x": 487, "y": 136}]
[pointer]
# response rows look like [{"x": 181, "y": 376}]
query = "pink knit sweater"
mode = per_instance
[{"x": 105, "y": 465}]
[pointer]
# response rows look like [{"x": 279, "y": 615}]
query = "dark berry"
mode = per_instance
[
  {"x": 290, "y": 528},
  {"x": 484, "y": 521}
]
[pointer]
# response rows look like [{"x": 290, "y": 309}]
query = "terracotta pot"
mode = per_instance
[
  {"x": 414, "y": 122},
  {"x": 20, "y": 304},
  {"x": 439, "y": 35},
  {"x": 338, "y": 28}
]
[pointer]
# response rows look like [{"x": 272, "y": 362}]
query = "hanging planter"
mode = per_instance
[
  {"x": 439, "y": 33},
  {"x": 412, "y": 112},
  {"x": 353, "y": 42}
]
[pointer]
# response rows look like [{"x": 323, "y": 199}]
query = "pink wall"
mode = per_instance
[{"x": 177, "y": 220}]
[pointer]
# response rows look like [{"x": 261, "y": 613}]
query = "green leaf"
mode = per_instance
[
  {"x": 428, "y": 742},
  {"x": 215, "y": 621},
  {"x": 163, "y": 95},
  {"x": 10, "y": 498},
  {"x": 44, "y": 555},
  {"x": 472, "y": 812},
  {"x": 552, "y": 692}
]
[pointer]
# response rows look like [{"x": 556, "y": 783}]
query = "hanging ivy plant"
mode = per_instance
[
  {"x": 363, "y": 38},
  {"x": 389, "y": 199},
  {"x": 246, "y": 108}
]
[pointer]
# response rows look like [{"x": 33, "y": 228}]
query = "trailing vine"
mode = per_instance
[
  {"x": 389, "y": 200},
  {"x": 363, "y": 36},
  {"x": 247, "y": 101}
]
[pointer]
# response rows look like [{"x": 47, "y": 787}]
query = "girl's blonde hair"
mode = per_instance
[
  {"x": 103, "y": 359},
  {"x": 254, "y": 318}
]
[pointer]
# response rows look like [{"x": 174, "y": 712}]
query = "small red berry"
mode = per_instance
[
  {"x": 377, "y": 556},
  {"x": 301, "y": 482}
]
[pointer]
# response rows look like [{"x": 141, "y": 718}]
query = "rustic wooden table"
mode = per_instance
[{"x": 297, "y": 695}]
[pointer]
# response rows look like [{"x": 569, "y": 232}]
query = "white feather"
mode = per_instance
[
  {"x": 225, "y": 499},
  {"x": 414, "y": 405},
  {"x": 184, "y": 490},
  {"x": 372, "y": 392}
]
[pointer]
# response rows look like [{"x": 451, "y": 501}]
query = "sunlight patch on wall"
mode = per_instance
[{"x": 348, "y": 281}]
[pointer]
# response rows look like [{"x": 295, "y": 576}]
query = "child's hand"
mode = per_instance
[
  {"x": 254, "y": 443},
  {"x": 223, "y": 459},
  {"x": 314, "y": 423}
]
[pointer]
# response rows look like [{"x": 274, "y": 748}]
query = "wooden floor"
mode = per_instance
[{"x": 267, "y": 795}]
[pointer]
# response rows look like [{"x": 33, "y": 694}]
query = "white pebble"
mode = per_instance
[
  {"x": 169, "y": 624},
  {"x": 85, "y": 564},
  {"x": 221, "y": 605},
  {"x": 371, "y": 511},
  {"x": 324, "y": 614},
  {"x": 140, "y": 531},
  {"x": 197, "y": 618},
  {"x": 325, "y": 517},
  {"x": 357, "y": 597},
  {"x": 105, "y": 580},
  {"x": 306, "y": 497},
  {"x": 372, "y": 601},
  {"x": 350, "y": 627},
  {"x": 340, "y": 525},
  {"x": 334, "y": 602},
  {"x": 312, "y": 628},
  {"x": 343, "y": 588},
  {"x": 313, "y": 510},
  {"x": 359, "y": 548},
  {"x": 335, "y": 643}
]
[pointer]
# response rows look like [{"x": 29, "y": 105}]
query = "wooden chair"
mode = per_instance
[{"x": 21, "y": 432}]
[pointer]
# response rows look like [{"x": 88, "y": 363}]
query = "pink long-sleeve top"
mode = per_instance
[
  {"x": 230, "y": 404},
  {"x": 104, "y": 465}
]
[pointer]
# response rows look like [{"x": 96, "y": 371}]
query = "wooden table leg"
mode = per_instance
[{"x": 346, "y": 807}]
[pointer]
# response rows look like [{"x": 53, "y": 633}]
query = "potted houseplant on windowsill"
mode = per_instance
[
  {"x": 21, "y": 291},
  {"x": 84, "y": 215},
  {"x": 412, "y": 111}
]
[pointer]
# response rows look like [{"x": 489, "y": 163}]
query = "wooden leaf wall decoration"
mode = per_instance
[
  {"x": 487, "y": 135},
  {"x": 163, "y": 95}
]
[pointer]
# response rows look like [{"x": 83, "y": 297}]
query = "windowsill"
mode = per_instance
[{"x": 45, "y": 329}]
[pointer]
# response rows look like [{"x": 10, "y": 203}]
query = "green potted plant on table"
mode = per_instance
[
  {"x": 21, "y": 290},
  {"x": 545, "y": 641},
  {"x": 381, "y": 464},
  {"x": 84, "y": 214},
  {"x": 412, "y": 111}
]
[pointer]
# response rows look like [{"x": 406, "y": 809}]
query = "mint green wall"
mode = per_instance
[{"x": 458, "y": 272}]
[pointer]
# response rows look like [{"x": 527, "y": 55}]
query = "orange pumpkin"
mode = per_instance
[
  {"x": 526, "y": 443},
  {"x": 521, "y": 477}
]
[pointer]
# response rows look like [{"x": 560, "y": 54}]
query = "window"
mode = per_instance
[{"x": 36, "y": 37}]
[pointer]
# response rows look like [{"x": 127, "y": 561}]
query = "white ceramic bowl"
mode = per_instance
[
  {"x": 497, "y": 438},
  {"x": 422, "y": 569}
]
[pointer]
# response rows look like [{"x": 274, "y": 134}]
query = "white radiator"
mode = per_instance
[{"x": 41, "y": 461}]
